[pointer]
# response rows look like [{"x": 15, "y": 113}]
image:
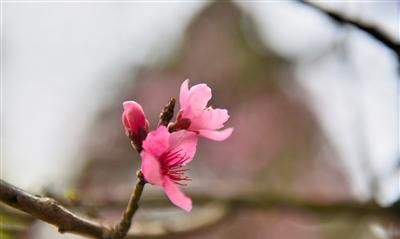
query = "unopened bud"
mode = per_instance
[{"x": 135, "y": 123}]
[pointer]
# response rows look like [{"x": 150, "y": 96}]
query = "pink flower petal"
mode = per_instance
[
  {"x": 199, "y": 95},
  {"x": 157, "y": 142},
  {"x": 210, "y": 119},
  {"x": 125, "y": 121},
  {"x": 176, "y": 196},
  {"x": 215, "y": 134},
  {"x": 133, "y": 116},
  {"x": 151, "y": 168},
  {"x": 184, "y": 142},
  {"x": 184, "y": 93}
]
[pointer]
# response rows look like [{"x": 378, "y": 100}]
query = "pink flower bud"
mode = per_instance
[{"x": 135, "y": 123}]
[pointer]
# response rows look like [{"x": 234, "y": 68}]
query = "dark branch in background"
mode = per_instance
[
  {"x": 267, "y": 202},
  {"x": 270, "y": 201},
  {"x": 373, "y": 31}
]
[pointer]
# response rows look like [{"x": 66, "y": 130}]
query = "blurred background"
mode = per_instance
[{"x": 314, "y": 105}]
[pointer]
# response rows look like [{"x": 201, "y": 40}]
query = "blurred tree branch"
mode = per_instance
[
  {"x": 268, "y": 202},
  {"x": 373, "y": 31},
  {"x": 52, "y": 212}
]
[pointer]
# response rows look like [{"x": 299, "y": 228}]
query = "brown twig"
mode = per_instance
[
  {"x": 122, "y": 228},
  {"x": 373, "y": 31},
  {"x": 50, "y": 211},
  {"x": 167, "y": 113}
]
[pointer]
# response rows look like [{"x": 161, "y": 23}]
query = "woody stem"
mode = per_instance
[{"x": 121, "y": 229}]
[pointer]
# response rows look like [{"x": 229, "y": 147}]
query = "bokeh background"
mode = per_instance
[{"x": 314, "y": 105}]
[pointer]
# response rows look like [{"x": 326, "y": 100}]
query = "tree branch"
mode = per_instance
[
  {"x": 373, "y": 31},
  {"x": 268, "y": 201},
  {"x": 121, "y": 229},
  {"x": 50, "y": 211}
]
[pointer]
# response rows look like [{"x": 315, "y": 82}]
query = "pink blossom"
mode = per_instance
[
  {"x": 195, "y": 116},
  {"x": 163, "y": 157},
  {"x": 135, "y": 123}
]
